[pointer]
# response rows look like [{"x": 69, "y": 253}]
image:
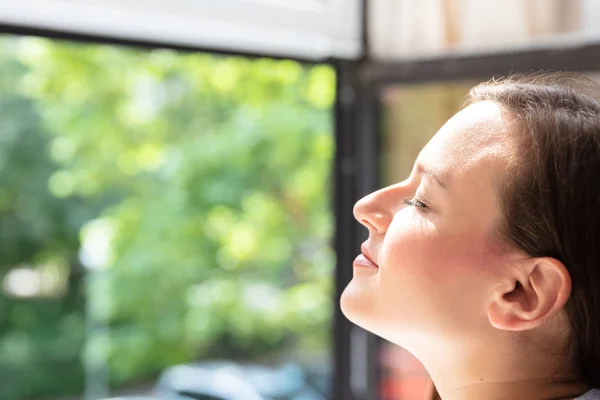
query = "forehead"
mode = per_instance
[
  {"x": 475, "y": 142},
  {"x": 471, "y": 153}
]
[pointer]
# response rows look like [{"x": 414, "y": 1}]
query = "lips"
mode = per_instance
[
  {"x": 362, "y": 261},
  {"x": 365, "y": 259}
]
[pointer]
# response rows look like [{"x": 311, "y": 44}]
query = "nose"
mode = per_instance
[{"x": 376, "y": 210}]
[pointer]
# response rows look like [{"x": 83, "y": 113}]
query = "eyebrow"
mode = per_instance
[{"x": 422, "y": 170}]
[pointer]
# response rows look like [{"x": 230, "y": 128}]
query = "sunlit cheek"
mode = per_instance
[
  {"x": 414, "y": 247},
  {"x": 407, "y": 244}
]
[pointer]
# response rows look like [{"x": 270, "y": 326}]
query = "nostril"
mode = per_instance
[
  {"x": 376, "y": 222},
  {"x": 368, "y": 224}
]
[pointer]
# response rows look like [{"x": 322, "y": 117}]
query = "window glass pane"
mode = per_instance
[
  {"x": 165, "y": 223},
  {"x": 412, "y": 115},
  {"x": 404, "y": 28}
]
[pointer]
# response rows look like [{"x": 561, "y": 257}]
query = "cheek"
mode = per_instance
[
  {"x": 440, "y": 276},
  {"x": 433, "y": 254}
]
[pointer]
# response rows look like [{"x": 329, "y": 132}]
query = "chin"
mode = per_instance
[
  {"x": 358, "y": 306},
  {"x": 361, "y": 307}
]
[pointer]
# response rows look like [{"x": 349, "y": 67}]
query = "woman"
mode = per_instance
[{"x": 485, "y": 262}]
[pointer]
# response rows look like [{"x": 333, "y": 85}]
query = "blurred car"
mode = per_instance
[{"x": 224, "y": 380}]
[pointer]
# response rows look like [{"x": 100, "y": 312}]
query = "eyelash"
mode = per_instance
[{"x": 416, "y": 203}]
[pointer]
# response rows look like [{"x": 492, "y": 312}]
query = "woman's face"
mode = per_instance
[{"x": 437, "y": 259}]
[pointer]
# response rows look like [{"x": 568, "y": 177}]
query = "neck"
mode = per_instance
[
  {"x": 532, "y": 389},
  {"x": 507, "y": 366}
]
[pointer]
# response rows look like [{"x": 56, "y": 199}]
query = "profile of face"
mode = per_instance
[{"x": 432, "y": 267}]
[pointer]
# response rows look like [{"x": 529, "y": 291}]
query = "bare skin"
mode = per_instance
[{"x": 487, "y": 321}]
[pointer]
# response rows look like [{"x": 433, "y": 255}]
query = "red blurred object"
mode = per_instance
[{"x": 403, "y": 376}]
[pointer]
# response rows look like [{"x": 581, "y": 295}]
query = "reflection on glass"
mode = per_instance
[
  {"x": 164, "y": 223},
  {"x": 412, "y": 115}
]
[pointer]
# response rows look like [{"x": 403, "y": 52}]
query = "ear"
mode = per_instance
[{"x": 539, "y": 289}]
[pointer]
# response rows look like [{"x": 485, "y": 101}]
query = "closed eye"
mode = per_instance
[{"x": 416, "y": 203}]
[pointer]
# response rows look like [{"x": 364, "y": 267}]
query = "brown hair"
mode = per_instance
[{"x": 551, "y": 196}]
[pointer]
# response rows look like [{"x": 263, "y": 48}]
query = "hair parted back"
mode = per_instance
[{"x": 551, "y": 193}]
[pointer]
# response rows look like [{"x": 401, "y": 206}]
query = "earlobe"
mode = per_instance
[{"x": 541, "y": 290}]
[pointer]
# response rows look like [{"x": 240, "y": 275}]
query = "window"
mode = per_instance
[
  {"x": 412, "y": 114},
  {"x": 158, "y": 210}
]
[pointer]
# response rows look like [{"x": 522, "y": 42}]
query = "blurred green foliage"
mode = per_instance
[{"x": 180, "y": 200}]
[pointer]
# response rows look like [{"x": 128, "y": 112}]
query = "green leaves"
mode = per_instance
[{"x": 198, "y": 186}]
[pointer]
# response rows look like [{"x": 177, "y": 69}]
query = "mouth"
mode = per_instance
[{"x": 364, "y": 259}]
